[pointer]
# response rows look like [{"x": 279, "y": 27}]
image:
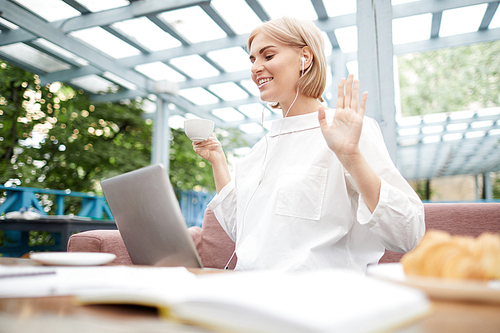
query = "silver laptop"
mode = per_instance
[{"x": 149, "y": 218}]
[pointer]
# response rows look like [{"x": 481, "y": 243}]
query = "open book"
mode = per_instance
[{"x": 268, "y": 301}]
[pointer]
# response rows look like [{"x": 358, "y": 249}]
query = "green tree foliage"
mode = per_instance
[
  {"x": 54, "y": 137},
  {"x": 451, "y": 79},
  {"x": 496, "y": 185}
]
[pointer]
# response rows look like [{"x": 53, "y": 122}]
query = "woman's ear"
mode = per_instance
[{"x": 306, "y": 58}]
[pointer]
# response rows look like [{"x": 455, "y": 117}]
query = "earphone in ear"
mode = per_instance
[{"x": 303, "y": 59}]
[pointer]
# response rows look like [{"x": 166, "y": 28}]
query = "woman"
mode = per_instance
[{"x": 319, "y": 190}]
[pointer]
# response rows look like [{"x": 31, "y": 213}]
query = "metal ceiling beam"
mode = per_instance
[
  {"x": 168, "y": 29},
  {"x": 482, "y": 36},
  {"x": 319, "y": 7},
  {"x": 153, "y": 7},
  {"x": 181, "y": 51},
  {"x": 436, "y": 24},
  {"x": 221, "y": 78},
  {"x": 70, "y": 74},
  {"x": 134, "y": 10},
  {"x": 258, "y": 10},
  {"x": 488, "y": 15},
  {"x": 35, "y": 25},
  {"x": 214, "y": 15},
  {"x": 73, "y": 63},
  {"x": 431, "y": 6},
  {"x": 125, "y": 39},
  {"x": 76, "y": 5},
  {"x": 105, "y": 17}
]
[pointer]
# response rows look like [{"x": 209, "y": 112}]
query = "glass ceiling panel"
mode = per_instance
[
  {"x": 352, "y": 68},
  {"x": 124, "y": 83},
  {"x": 228, "y": 114},
  {"x": 434, "y": 118},
  {"x": 194, "y": 66},
  {"x": 94, "y": 84},
  {"x": 51, "y": 10},
  {"x": 347, "y": 38},
  {"x": 495, "y": 21},
  {"x": 228, "y": 91},
  {"x": 34, "y": 58},
  {"x": 250, "y": 86},
  {"x": 328, "y": 44},
  {"x": 198, "y": 96},
  {"x": 106, "y": 42},
  {"x": 8, "y": 24},
  {"x": 399, "y": 2},
  {"x": 462, "y": 114},
  {"x": 147, "y": 34},
  {"x": 240, "y": 17},
  {"x": 233, "y": 59},
  {"x": 456, "y": 127},
  {"x": 100, "y": 5},
  {"x": 66, "y": 54},
  {"x": 476, "y": 134},
  {"x": 188, "y": 21},
  {"x": 462, "y": 20},
  {"x": 159, "y": 71},
  {"x": 411, "y": 29},
  {"x": 300, "y": 9},
  {"x": 337, "y": 8}
]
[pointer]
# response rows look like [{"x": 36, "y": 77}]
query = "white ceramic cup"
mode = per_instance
[{"x": 198, "y": 129}]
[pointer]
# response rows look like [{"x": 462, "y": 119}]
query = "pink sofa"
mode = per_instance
[{"x": 215, "y": 247}]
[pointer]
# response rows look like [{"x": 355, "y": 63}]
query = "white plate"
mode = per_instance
[
  {"x": 72, "y": 258},
  {"x": 464, "y": 290}
]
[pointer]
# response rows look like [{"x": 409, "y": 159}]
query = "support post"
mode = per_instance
[
  {"x": 161, "y": 134},
  {"x": 339, "y": 71},
  {"x": 375, "y": 63},
  {"x": 487, "y": 187},
  {"x": 478, "y": 193}
]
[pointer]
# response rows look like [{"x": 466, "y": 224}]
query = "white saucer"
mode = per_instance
[
  {"x": 72, "y": 258},
  {"x": 461, "y": 290}
]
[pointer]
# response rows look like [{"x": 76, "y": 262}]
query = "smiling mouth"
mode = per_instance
[{"x": 262, "y": 82}]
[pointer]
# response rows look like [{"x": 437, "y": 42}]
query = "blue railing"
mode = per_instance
[{"x": 193, "y": 204}]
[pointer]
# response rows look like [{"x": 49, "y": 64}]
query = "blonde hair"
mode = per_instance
[{"x": 299, "y": 33}]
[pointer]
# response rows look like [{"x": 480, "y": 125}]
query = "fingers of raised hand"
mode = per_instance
[
  {"x": 348, "y": 91},
  {"x": 340, "y": 94},
  {"x": 362, "y": 108},
  {"x": 355, "y": 95}
]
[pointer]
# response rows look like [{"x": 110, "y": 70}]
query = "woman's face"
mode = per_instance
[{"x": 276, "y": 68}]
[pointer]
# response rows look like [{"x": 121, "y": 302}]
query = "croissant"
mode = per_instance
[{"x": 442, "y": 255}]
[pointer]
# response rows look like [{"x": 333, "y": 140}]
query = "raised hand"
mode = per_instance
[{"x": 342, "y": 136}]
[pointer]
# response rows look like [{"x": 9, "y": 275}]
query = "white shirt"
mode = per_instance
[{"x": 292, "y": 205}]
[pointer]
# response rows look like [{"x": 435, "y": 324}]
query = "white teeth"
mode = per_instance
[{"x": 262, "y": 81}]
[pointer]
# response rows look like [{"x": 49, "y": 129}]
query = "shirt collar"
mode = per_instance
[{"x": 298, "y": 123}]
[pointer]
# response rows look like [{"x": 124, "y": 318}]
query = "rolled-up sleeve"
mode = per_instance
[
  {"x": 398, "y": 219},
  {"x": 225, "y": 209}
]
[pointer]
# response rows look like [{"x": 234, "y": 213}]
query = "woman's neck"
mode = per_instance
[{"x": 302, "y": 105}]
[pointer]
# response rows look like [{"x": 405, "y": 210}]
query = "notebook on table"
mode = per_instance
[{"x": 149, "y": 218}]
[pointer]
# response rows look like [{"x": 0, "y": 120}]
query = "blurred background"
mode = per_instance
[{"x": 90, "y": 89}]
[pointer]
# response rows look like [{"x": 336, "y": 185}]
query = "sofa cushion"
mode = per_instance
[
  {"x": 468, "y": 219},
  {"x": 211, "y": 241},
  {"x": 216, "y": 247},
  {"x": 108, "y": 241}
]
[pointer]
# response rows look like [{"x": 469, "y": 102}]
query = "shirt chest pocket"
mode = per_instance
[{"x": 301, "y": 192}]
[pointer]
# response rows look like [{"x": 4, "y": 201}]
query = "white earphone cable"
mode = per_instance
[{"x": 263, "y": 168}]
